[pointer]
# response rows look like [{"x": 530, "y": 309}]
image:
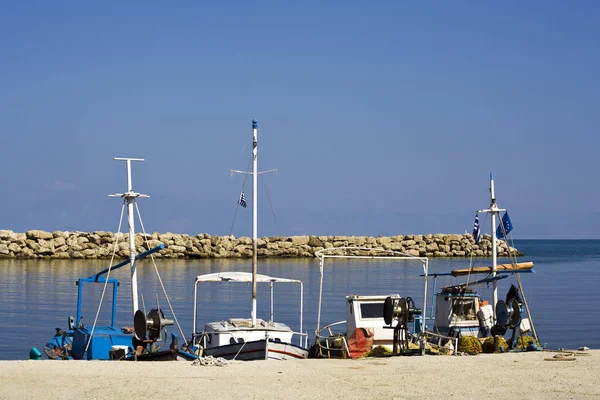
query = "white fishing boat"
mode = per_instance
[
  {"x": 243, "y": 338},
  {"x": 390, "y": 320},
  {"x": 248, "y": 338},
  {"x": 398, "y": 324},
  {"x": 460, "y": 311}
]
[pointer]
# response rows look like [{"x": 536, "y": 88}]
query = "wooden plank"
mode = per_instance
[{"x": 486, "y": 270}]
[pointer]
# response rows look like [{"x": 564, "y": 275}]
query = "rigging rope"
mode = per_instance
[
  {"x": 472, "y": 265},
  {"x": 112, "y": 258},
  {"x": 158, "y": 275},
  {"x": 238, "y": 204},
  {"x": 243, "y": 345},
  {"x": 272, "y": 210},
  {"x": 513, "y": 261}
]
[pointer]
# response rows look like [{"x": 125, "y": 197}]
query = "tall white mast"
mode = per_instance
[
  {"x": 130, "y": 196},
  {"x": 493, "y": 210},
  {"x": 254, "y": 214},
  {"x": 254, "y": 174}
]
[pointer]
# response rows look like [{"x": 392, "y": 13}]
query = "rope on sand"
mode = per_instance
[
  {"x": 562, "y": 357},
  {"x": 210, "y": 361}
]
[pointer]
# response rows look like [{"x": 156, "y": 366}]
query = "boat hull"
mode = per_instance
[{"x": 258, "y": 350}]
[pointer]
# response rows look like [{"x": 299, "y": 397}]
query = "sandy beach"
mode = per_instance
[{"x": 531, "y": 375}]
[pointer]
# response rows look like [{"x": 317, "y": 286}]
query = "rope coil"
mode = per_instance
[{"x": 210, "y": 361}]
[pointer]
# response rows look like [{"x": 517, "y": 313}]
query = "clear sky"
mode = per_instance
[{"x": 383, "y": 118}]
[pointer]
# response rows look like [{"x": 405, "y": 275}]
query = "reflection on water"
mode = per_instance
[{"x": 37, "y": 296}]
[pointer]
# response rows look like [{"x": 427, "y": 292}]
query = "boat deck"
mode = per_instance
[{"x": 245, "y": 324}]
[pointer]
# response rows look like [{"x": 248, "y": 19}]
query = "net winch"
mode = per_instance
[{"x": 402, "y": 311}]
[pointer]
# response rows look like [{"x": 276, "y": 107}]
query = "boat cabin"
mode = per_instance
[
  {"x": 240, "y": 330},
  {"x": 459, "y": 311},
  {"x": 366, "y": 313}
]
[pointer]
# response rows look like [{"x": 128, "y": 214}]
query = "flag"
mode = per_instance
[
  {"x": 500, "y": 232},
  {"x": 242, "y": 200},
  {"x": 476, "y": 231}
]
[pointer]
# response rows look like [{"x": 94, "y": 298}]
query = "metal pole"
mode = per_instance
[
  {"x": 130, "y": 196},
  {"x": 134, "y": 292},
  {"x": 426, "y": 268},
  {"x": 195, "y": 313},
  {"x": 494, "y": 211},
  {"x": 254, "y": 214},
  {"x": 301, "y": 310},
  {"x": 321, "y": 262},
  {"x": 130, "y": 222},
  {"x": 272, "y": 303},
  {"x": 431, "y": 315}
]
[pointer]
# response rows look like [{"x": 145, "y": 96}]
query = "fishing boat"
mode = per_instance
[
  {"x": 459, "y": 309},
  {"x": 238, "y": 338},
  {"x": 147, "y": 339},
  {"x": 388, "y": 320},
  {"x": 248, "y": 338},
  {"x": 396, "y": 322}
]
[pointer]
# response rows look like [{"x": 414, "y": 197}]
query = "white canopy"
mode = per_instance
[{"x": 241, "y": 277}]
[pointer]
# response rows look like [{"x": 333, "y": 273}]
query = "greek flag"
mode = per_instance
[
  {"x": 507, "y": 226},
  {"x": 476, "y": 231},
  {"x": 242, "y": 200}
]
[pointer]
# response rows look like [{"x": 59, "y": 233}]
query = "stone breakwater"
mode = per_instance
[{"x": 94, "y": 245}]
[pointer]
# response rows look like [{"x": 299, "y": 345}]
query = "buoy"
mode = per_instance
[
  {"x": 532, "y": 346},
  {"x": 34, "y": 354}
]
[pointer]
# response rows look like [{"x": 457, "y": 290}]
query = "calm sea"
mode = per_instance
[{"x": 38, "y": 296}]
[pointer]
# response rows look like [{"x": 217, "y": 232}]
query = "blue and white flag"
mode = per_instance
[
  {"x": 242, "y": 200},
  {"x": 476, "y": 231},
  {"x": 500, "y": 232}
]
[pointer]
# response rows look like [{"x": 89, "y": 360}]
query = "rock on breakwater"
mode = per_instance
[{"x": 100, "y": 244}]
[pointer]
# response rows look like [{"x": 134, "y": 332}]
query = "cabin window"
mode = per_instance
[
  {"x": 463, "y": 308},
  {"x": 371, "y": 310}
]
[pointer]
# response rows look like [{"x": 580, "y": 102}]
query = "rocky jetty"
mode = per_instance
[{"x": 94, "y": 245}]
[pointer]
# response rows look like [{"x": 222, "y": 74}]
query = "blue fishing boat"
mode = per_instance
[{"x": 146, "y": 340}]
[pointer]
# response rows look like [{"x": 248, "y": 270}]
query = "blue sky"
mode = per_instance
[{"x": 383, "y": 118}]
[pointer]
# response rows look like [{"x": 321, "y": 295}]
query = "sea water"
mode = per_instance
[{"x": 37, "y": 296}]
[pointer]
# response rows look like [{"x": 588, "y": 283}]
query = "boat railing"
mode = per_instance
[
  {"x": 200, "y": 338},
  {"x": 440, "y": 337},
  {"x": 302, "y": 339},
  {"x": 326, "y": 343}
]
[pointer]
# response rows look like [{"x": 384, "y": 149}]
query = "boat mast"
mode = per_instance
[
  {"x": 130, "y": 196},
  {"x": 254, "y": 214},
  {"x": 493, "y": 210},
  {"x": 254, "y": 174}
]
